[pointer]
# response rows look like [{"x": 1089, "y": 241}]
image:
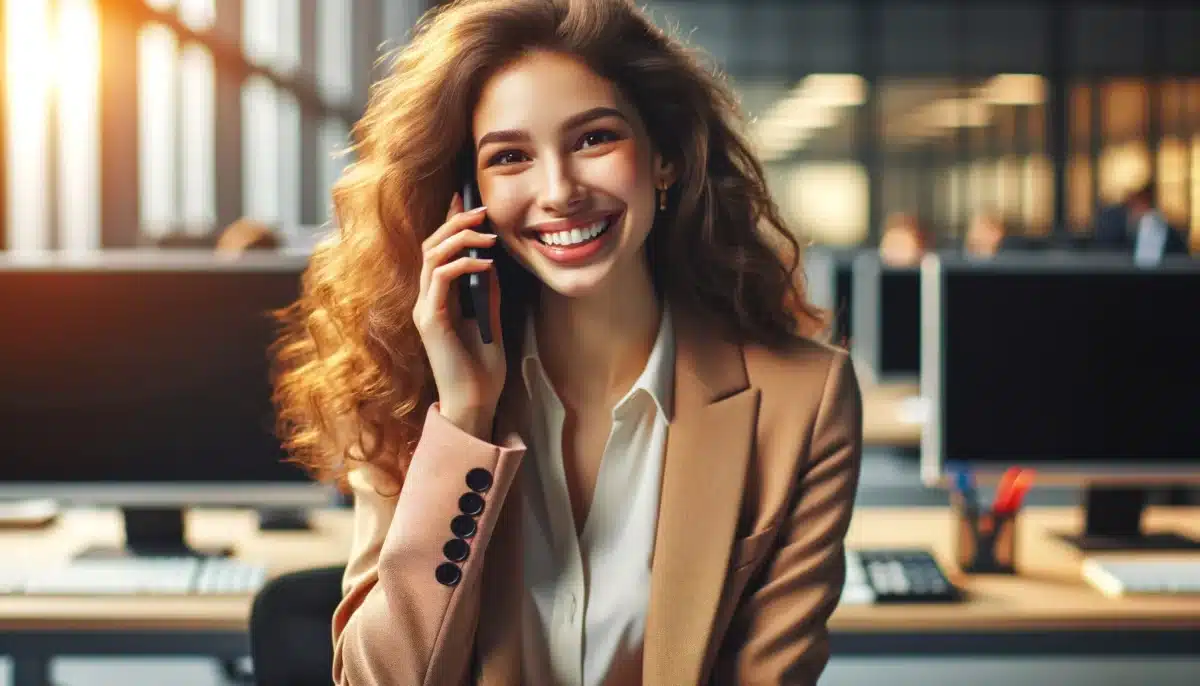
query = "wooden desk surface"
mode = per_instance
[
  {"x": 1048, "y": 594},
  {"x": 281, "y": 552}
]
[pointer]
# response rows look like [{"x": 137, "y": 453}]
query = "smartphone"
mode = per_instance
[{"x": 474, "y": 289}]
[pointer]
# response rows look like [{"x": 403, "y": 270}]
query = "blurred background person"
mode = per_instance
[
  {"x": 1138, "y": 228},
  {"x": 904, "y": 241},
  {"x": 247, "y": 234},
  {"x": 986, "y": 236},
  {"x": 240, "y": 236}
]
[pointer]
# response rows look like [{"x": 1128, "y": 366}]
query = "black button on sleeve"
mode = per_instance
[
  {"x": 479, "y": 480},
  {"x": 470, "y": 504},
  {"x": 463, "y": 526},
  {"x": 448, "y": 574},
  {"x": 456, "y": 550}
]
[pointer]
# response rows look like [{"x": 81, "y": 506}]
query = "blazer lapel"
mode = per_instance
[{"x": 709, "y": 444}]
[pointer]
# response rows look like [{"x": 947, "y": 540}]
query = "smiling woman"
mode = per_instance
[
  {"x": 646, "y": 289},
  {"x": 706, "y": 253},
  {"x": 571, "y": 177}
]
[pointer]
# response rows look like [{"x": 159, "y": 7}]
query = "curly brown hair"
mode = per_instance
[{"x": 353, "y": 381}]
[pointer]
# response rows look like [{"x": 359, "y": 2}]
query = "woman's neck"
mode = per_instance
[{"x": 595, "y": 348}]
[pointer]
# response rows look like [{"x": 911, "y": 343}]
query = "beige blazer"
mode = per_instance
[{"x": 759, "y": 477}]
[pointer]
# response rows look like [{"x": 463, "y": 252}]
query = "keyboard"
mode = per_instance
[
  {"x": 896, "y": 575},
  {"x": 1115, "y": 578},
  {"x": 171, "y": 576}
]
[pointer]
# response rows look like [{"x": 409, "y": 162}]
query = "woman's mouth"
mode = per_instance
[
  {"x": 571, "y": 238},
  {"x": 577, "y": 244}
]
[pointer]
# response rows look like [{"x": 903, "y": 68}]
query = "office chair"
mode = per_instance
[{"x": 290, "y": 628}]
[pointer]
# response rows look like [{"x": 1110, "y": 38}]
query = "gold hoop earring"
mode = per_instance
[{"x": 662, "y": 198}]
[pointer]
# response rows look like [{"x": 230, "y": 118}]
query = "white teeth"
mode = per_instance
[{"x": 574, "y": 236}]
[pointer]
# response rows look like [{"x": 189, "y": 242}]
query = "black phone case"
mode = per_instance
[{"x": 474, "y": 295}]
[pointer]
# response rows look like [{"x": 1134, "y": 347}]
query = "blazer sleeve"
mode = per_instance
[
  {"x": 783, "y": 615},
  {"x": 401, "y": 621}
]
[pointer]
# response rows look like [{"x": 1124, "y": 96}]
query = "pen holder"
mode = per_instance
[{"x": 985, "y": 542}]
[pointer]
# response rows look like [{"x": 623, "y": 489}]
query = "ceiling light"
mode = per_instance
[
  {"x": 1014, "y": 89},
  {"x": 954, "y": 113},
  {"x": 832, "y": 90}
]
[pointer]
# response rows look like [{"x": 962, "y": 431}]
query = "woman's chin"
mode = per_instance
[{"x": 575, "y": 283}]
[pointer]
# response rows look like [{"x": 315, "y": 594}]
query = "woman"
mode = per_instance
[{"x": 650, "y": 480}]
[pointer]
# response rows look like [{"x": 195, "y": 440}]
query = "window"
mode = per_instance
[
  {"x": 197, "y": 15},
  {"x": 1124, "y": 162},
  {"x": 1080, "y": 171},
  {"x": 158, "y": 54},
  {"x": 52, "y": 125},
  {"x": 260, "y": 34},
  {"x": 261, "y": 151},
  {"x": 197, "y": 127},
  {"x": 955, "y": 148},
  {"x": 805, "y": 133},
  {"x": 1174, "y": 149},
  {"x": 334, "y": 62},
  {"x": 333, "y": 137},
  {"x": 271, "y": 124},
  {"x": 290, "y": 160}
]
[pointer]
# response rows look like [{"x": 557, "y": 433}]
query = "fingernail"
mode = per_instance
[{"x": 480, "y": 209}]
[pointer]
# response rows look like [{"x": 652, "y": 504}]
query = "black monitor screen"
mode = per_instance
[
  {"x": 843, "y": 308},
  {"x": 899, "y": 322},
  {"x": 140, "y": 376},
  {"x": 1047, "y": 365}
]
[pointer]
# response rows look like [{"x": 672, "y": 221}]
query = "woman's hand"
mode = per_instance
[{"x": 469, "y": 374}]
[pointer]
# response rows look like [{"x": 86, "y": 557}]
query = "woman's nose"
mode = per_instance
[{"x": 561, "y": 191}]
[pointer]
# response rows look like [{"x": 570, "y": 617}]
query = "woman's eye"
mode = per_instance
[
  {"x": 507, "y": 157},
  {"x": 597, "y": 138}
]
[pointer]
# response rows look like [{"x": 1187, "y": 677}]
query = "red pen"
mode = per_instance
[
  {"x": 1005, "y": 487},
  {"x": 1012, "y": 490}
]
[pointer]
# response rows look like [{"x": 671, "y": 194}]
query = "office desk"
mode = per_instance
[
  {"x": 35, "y": 629},
  {"x": 1047, "y": 609}
]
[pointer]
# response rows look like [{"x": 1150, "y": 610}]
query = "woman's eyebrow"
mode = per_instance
[{"x": 575, "y": 120}]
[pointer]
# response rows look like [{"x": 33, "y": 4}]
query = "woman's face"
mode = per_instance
[{"x": 566, "y": 170}]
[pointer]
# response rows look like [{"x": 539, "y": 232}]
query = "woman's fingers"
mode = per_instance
[
  {"x": 456, "y": 244},
  {"x": 457, "y": 222},
  {"x": 436, "y": 298}
]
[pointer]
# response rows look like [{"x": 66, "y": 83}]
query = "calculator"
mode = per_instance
[{"x": 896, "y": 575}]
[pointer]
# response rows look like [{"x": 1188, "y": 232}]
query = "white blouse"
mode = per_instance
[{"x": 587, "y": 596}]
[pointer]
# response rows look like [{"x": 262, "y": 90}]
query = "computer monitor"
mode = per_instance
[
  {"x": 820, "y": 277},
  {"x": 887, "y": 319},
  {"x": 1085, "y": 369},
  {"x": 142, "y": 379},
  {"x": 843, "y": 275},
  {"x": 828, "y": 280}
]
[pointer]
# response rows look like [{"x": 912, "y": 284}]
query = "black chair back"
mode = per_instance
[{"x": 290, "y": 628}]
